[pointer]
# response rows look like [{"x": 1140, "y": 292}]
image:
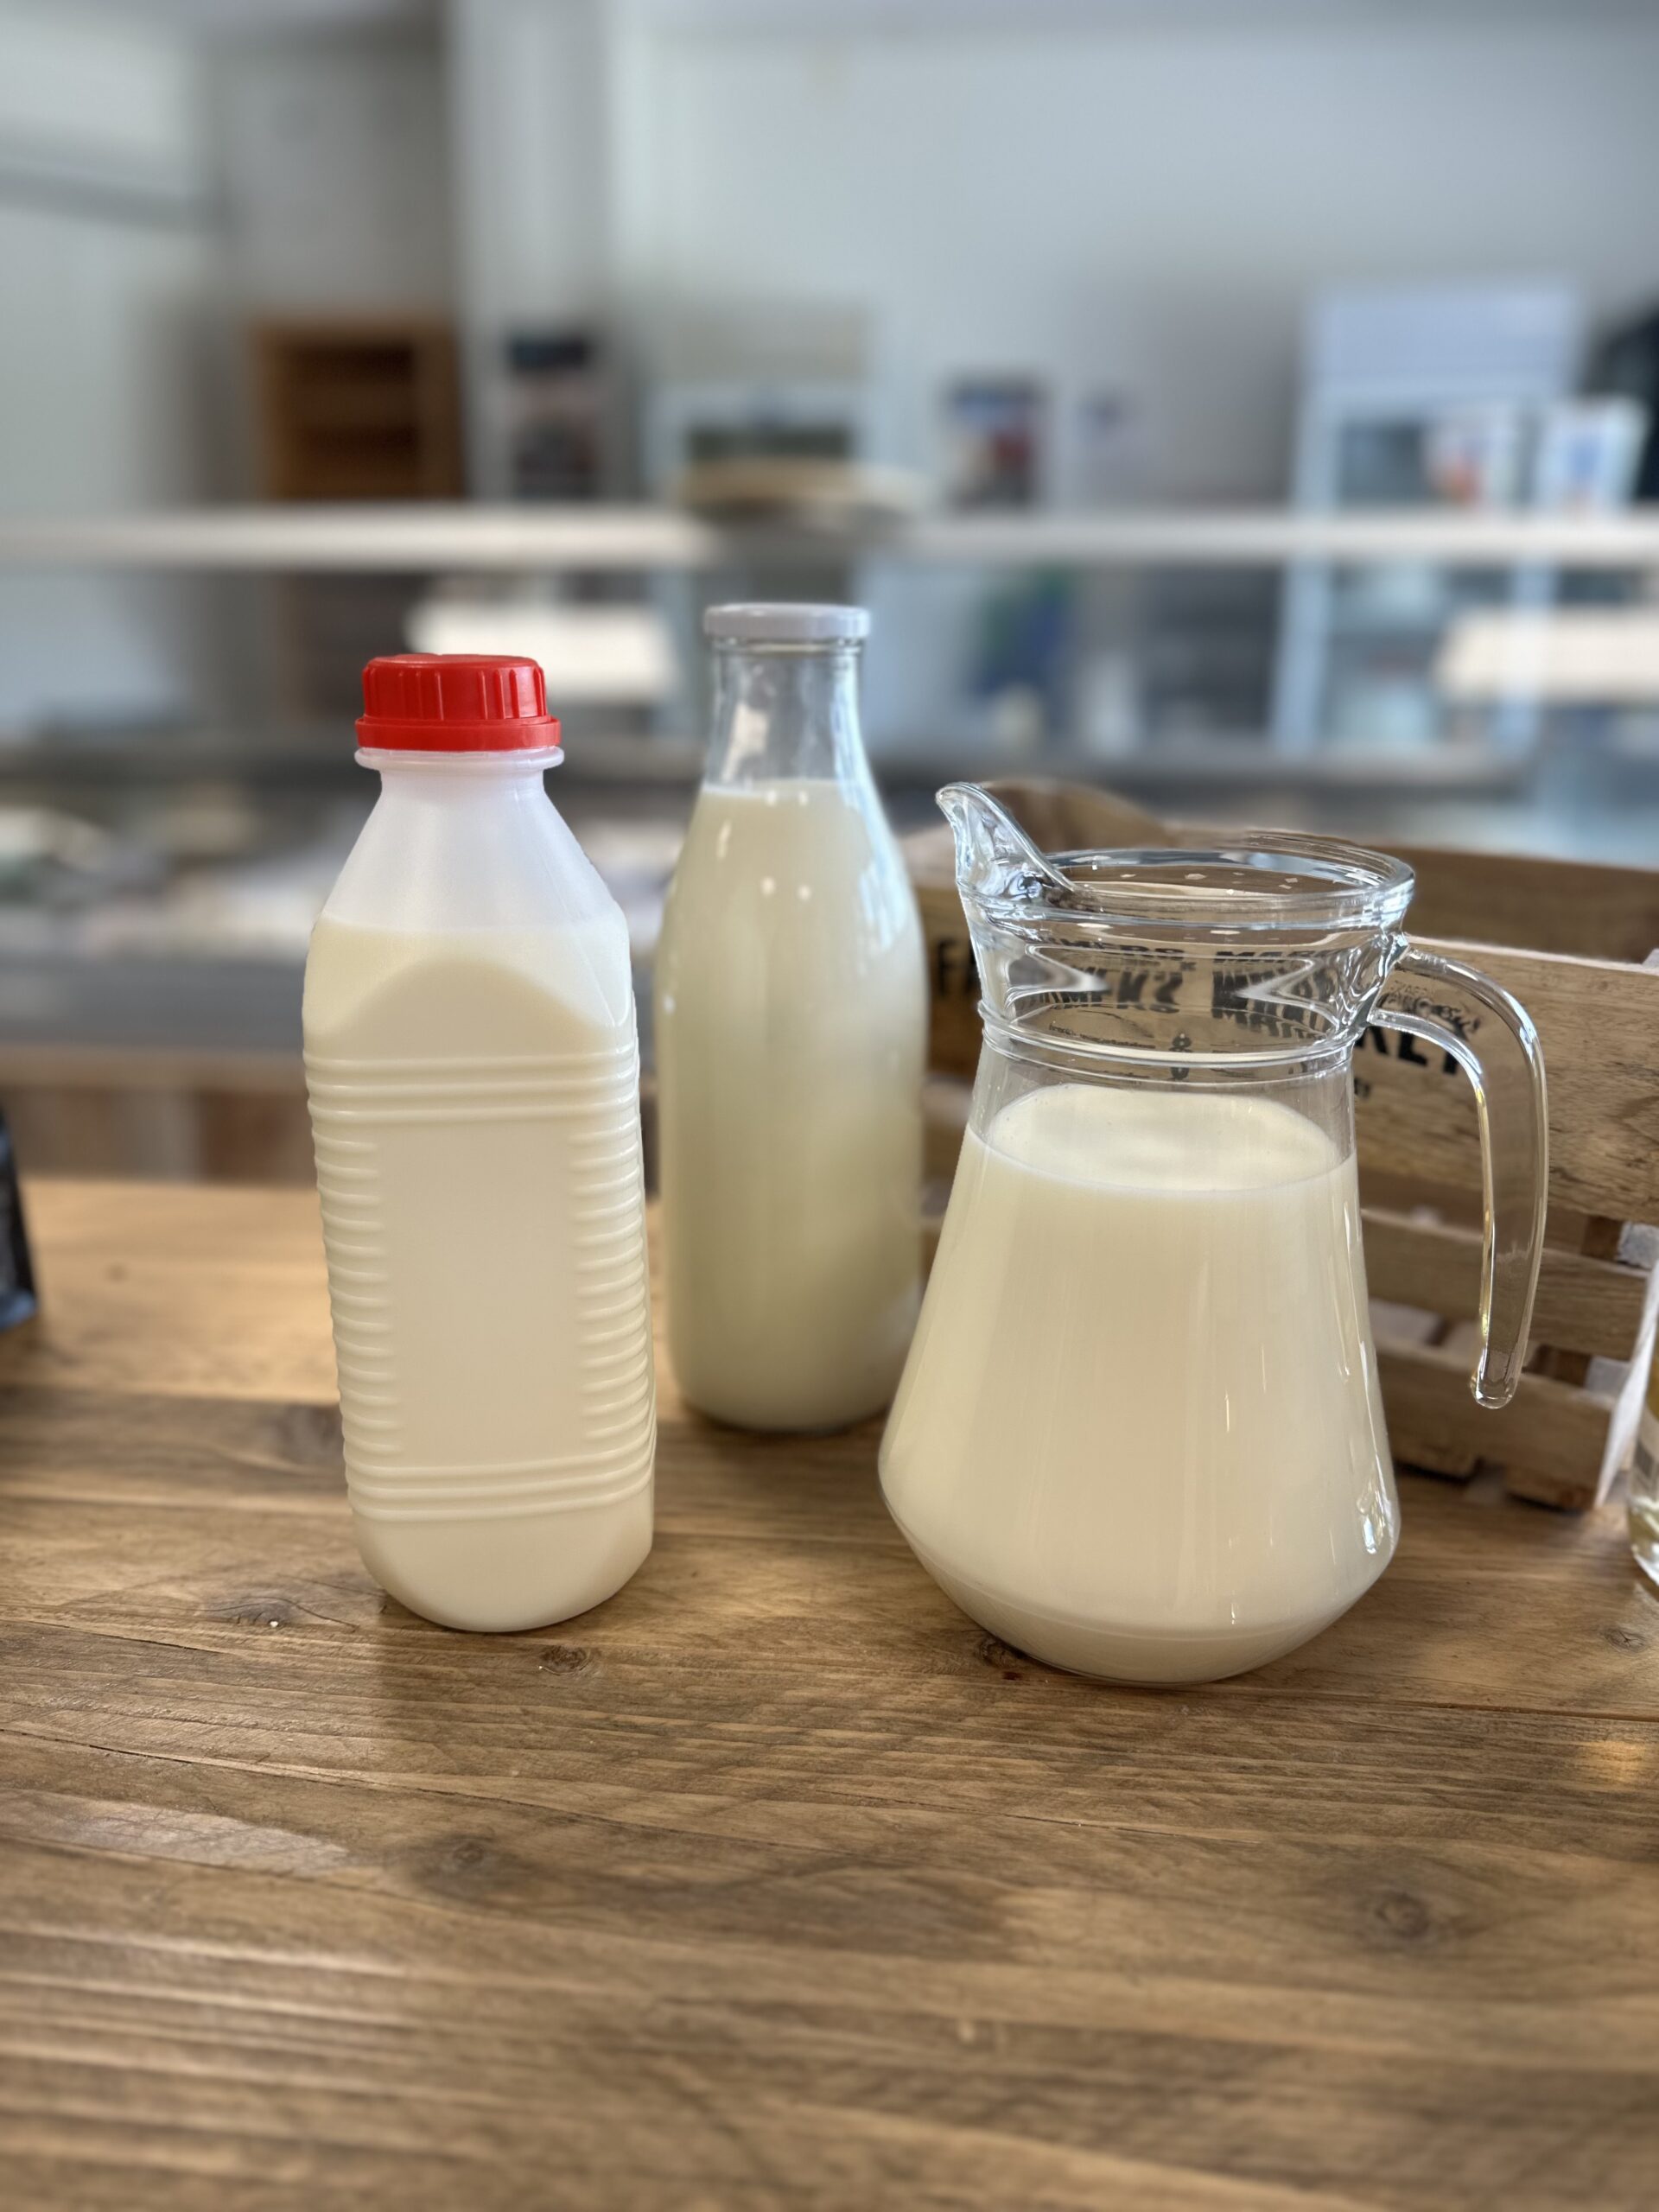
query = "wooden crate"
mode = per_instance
[{"x": 1568, "y": 1433}]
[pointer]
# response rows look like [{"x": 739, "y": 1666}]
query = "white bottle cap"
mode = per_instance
[{"x": 786, "y": 622}]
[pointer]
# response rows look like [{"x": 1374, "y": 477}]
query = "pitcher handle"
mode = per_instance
[{"x": 1492, "y": 1039}]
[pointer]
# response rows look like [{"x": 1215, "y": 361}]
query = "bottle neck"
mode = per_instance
[
  {"x": 466, "y": 840},
  {"x": 462, "y": 778},
  {"x": 461, "y": 772},
  {"x": 786, "y": 711}
]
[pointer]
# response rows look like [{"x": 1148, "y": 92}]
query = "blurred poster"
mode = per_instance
[
  {"x": 1589, "y": 455},
  {"x": 1475, "y": 456},
  {"x": 1111, "y": 460},
  {"x": 557, "y": 403},
  {"x": 993, "y": 441}
]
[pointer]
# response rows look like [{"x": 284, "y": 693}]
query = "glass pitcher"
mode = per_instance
[{"x": 1139, "y": 1434}]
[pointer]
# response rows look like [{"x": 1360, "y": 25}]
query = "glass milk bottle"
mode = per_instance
[
  {"x": 1140, "y": 1433},
  {"x": 473, "y": 1067},
  {"x": 790, "y": 1027}
]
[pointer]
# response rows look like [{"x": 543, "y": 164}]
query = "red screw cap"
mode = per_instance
[{"x": 455, "y": 703}]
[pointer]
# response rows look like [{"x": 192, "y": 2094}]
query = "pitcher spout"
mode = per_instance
[{"x": 995, "y": 857}]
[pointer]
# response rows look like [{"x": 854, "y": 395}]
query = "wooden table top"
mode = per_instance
[{"x": 774, "y": 1882}]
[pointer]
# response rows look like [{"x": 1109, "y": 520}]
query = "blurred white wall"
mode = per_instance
[
  {"x": 98, "y": 94},
  {"x": 107, "y": 259},
  {"x": 537, "y": 161},
  {"x": 1149, "y": 205},
  {"x": 333, "y": 160}
]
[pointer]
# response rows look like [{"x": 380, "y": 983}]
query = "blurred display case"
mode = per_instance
[
  {"x": 157, "y": 886},
  {"x": 1411, "y": 399},
  {"x": 1454, "y": 400}
]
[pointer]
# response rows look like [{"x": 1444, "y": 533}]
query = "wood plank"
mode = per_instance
[
  {"x": 1586, "y": 907},
  {"x": 1582, "y": 1486},
  {"x": 1547, "y": 1428},
  {"x": 1599, "y": 1027},
  {"x": 160, "y": 1287},
  {"x": 595, "y": 2065},
  {"x": 123, "y": 1068},
  {"x": 1599, "y": 1239},
  {"x": 1584, "y": 1305},
  {"x": 543, "y": 1855},
  {"x": 101, "y": 1485},
  {"x": 774, "y": 1883}
]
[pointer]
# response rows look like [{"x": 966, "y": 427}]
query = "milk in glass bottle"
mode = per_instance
[
  {"x": 791, "y": 1017},
  {"x": 473, "y": 1066}
]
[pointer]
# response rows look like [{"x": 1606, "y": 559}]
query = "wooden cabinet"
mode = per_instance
[{"x": 351, "y": 408}]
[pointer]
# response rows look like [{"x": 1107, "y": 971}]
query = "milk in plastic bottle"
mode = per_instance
[{"x": 473, "y": 1067}]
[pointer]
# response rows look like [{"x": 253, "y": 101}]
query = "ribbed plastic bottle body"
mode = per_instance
[{"x": 473, "y": 1067}]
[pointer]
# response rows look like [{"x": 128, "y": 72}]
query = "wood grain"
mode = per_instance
[
  {"x": 1584, "y": 1305},
  {"x": 1586, "y": 907},
  {"x": 774, "y": 1882},
  {"x": 1598, "y": 1024},
  {"x": 195, "y": 1117}
]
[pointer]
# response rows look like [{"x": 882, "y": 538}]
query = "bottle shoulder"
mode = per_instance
[
  {"x": 430, "y": 860},
  {"x": 794, "y": 901},
  {"x": 812, "y": 825},
  {"x": 438, "y": 901}
]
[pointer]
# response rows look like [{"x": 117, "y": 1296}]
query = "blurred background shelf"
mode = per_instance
[
  {"x": 319, "y": 537},
  {"x": 313, "y": 758},
  {"x": 620, "y": 758}
]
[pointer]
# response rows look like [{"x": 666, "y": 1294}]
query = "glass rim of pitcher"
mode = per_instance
[{"x": 1303, "y": 881}]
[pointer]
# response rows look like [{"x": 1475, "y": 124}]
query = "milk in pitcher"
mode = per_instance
[{"x": 1140, "y": 1434}]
